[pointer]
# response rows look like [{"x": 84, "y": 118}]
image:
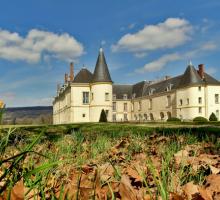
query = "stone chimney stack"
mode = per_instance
[
  {"x": 58, "y": 89},
  {"x": 71, "y": 72},
  {"x": 201, "y": 71},
  {"x": 66, "y": 78}
]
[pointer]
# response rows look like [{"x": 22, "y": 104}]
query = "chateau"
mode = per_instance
[{"x": 82, "y": 98}]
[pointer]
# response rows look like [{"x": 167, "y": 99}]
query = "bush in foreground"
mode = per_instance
[
  {"x": 200, "y": 119},
  {"x": 213, "y": 118},
  {"x": 173, "y": 119}
]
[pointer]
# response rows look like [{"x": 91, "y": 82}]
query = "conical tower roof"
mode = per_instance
[
  {"x": 190, "y": 77},
  {"x": 101, "y": 72}
]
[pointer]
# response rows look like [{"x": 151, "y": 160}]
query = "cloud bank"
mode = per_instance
[
  {"x": 168, "y": 34},
  {"x": 38, "y": 44}
]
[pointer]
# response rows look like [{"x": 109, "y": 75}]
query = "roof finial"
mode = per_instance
[{"x": 190, "y": 63}]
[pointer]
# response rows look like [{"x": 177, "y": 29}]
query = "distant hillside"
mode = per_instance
[{"x": 28, "y": 115}]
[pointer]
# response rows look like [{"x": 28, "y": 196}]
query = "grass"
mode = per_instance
[{"x": 44, "y": 157}]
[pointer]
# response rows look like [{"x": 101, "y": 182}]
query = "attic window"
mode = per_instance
[
  {"x": 152, "y": 90},
  {"x": 169, "y": 87},
  {"x": 134, "y": 95},
  {"x": 125, "y": 96}
]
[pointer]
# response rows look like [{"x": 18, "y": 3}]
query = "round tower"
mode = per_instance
[{"x": 101, "y": 90}]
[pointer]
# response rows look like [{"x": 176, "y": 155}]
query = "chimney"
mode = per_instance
[
  {"x": 201, "y": 71},
  {"x": 71, "y": 72},
  {"x": 66, "y": 78},
  {"x": 58, "y": 89}
]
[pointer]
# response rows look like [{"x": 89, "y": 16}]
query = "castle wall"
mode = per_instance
[
  {"x": 79, "y": 111},
  {"x": 191, "y": 108},
  {"x": 98, "y": 102}
]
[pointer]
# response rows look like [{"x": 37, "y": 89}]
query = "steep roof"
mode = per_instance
[
  {"x": 138, "y": 89},
  {"x": 120, "y": 90},
  {"x": 190, "y": 77},
  {"x": 101, "y": 72},
  {"x": 210, "y": 80},
  {"x": 162, "y": 86},
  {"x": 84, "y": 76}
]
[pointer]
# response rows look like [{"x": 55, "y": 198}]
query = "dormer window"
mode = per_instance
[
  {"x": 134, "y": 95},
  {"x": 125, "y": 96},
  {"x": 152, "y": 90}
]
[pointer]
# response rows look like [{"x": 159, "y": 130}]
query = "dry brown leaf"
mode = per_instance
[
  {"x": 190, "y": 190},
  {"x": 212, "y": 186},
  {"x": 214, "y": 170},
  {"x": 174, "y": 196},
  {"x": 125, "y": 189},
  {"x": 132, "y": 173}
]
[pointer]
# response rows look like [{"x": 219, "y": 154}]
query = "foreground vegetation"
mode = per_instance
[{"x": 110, "y": 161}]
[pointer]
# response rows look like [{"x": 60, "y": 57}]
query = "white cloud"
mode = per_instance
[
  {"x": 168, "y": 34},
  {"x": 37, "y": 44},
  {"x": 140, "y": 54},
  {"x": 161, "y": 62}
]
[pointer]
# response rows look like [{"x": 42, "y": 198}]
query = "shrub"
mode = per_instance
[
  {"x": 200, "y": 119},
  {"x": 173, "y": 119},
  {"x": 213, "y": 118},
  {"x": 103, "y": 117}
]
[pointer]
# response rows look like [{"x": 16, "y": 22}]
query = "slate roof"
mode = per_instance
[
  {"x": 144, "y": 88},
  {"x": 190, "y": 77},
  {"x": 137, "y": 89},
  {"x": 101, "y": 73},
  {"x": 84, "y": 76},
  {"x": 162, "y": 86},
  {"x": 120, "y": 90}
]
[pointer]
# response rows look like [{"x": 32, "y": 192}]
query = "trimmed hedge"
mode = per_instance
[
  {"x": 213, "y": 118},
  {"x": 173, "y": 119},
  {"x": 103, "y": 117},
  {"x": 200, "y": 119}
]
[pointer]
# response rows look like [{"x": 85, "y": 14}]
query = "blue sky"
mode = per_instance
[{"x": 142, "y": 40}]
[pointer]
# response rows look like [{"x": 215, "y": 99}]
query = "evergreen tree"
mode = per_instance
[
  {"x": 213, "y": 118},
  {"x": 103, "y": 117}
]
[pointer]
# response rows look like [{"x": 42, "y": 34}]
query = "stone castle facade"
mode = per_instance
[{"x": 81, "y": 98}]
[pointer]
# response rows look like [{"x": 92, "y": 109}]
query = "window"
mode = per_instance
[
  {"x": 125, "y": 117},
  {"x": 125, "y": 106},
  {"x": 92, "y": 96},
  {"x": 150, "y": 104},
  {"x": 217, "y": 114},
  {"x": 168, "y": 101},
  {"x": 152, "y": 90},
  {"x": 106, "y": 112},
  {"x": 83, "y": 115},
  {"x": 200, "y": 109},
  {"x": 114, "y": 117},
  {"x": 125, "y": 96},
  {"x": 139, "y": 105},
  {"x": 114, "y": 96},
  {"x": 200, "y": 100},
  {"x": 199, "y": 88},
  {"x": 145, "y": 116},
  {"x": 114, "y": 106},
  {"x": 181, "y": 102},
  {"x": 134, "y": 95},
  {"x": 216, "y": 98},
  {"x": 187, "y": 101},
  {"x": 107, "y": 96},
  {"x": 85, "y": 97}
]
